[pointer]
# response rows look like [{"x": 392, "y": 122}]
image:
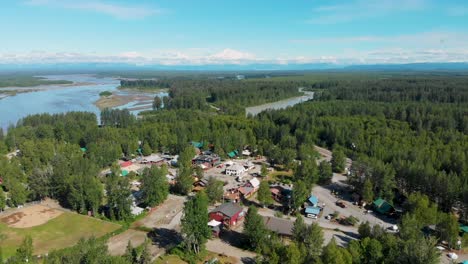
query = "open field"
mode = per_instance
[
  {"x": 31, "y": 216},
  {"x": 52, "y": 229}
]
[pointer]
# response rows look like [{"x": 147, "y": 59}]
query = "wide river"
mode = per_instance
[{"x": 60, "y": 99}]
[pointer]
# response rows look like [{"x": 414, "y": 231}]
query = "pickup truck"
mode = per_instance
[{"x": 341, "y": 204}]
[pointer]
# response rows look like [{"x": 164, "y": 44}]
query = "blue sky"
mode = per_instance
[{"x": 173, "y": 32}]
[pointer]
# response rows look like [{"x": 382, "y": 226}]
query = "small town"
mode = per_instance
[{"x": 234, "y": 132}]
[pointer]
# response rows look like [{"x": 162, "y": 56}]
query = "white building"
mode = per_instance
[{"x": 235, "y": 170}]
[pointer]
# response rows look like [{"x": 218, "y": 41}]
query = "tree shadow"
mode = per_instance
[
  {"x": 234, "y": 238},
  {"x": 165, "y": 238},
  {"x": 247, "y": 260}
]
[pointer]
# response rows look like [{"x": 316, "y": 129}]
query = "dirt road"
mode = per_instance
[{"x": 165, "y": 222}]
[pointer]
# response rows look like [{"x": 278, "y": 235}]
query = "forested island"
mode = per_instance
[
  {"x": 27, "y": 81},
  {"x": 406, "y": 134}
]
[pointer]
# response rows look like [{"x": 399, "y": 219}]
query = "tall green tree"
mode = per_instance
[
  {"x": 264, "y": 194},
  {"x": 157, "y": 103},
  {"x": 338, "y": 161},
  {"x": 333, "y": 254},
  {"x": 448, "y": 228},
  {"x": 325, "y": 172},
  {"x": 118, "y": 197},
  {"x": 299, "y": 194},
  {"x": 184, "y": 180},
  {"x": 154, "y": 185},
  {"x": 194, "y": 223},
  {"x": 368, "y": 191},
  {"x": 299, "y": 230},
  {"x": 214, "y": 190},
  {"x": 254, "y": 228},
  {"x": 313, "y": 241},
  {"x": 2, "y": 199}
]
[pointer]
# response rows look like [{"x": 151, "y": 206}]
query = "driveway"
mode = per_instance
[{"x": 165, "y": 222}]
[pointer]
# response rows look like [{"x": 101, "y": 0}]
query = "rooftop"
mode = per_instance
[
  {"x": 228, "y": 209},
  {"x": 280, "y": 226}
]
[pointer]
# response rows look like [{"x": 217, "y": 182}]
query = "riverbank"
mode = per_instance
[{"x": 143, "y": 89}]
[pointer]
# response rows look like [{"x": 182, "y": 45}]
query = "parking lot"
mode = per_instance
[{"x": 219, "y": 173}]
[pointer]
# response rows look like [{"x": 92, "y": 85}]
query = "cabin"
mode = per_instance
[
  {"x": 235, "y": 170},
  {"x": 208, "y": 161},
  {"x": 228, "y": 213},
  {"x": 281, "y": 194},
  {"x": 126, "y": 164},
  {"x": 313, "y": 200},
  {"x": 200, "y": 185},
  {"x": 232, "y": 195},
  {"x": 383, "y": 207},
  {"x": 250, "y": 187},
  {"x": 312, "y": 212},
  {"x": 233, "y": 154},
  {"x": 282, "y": 227},
  {"x": 152, "y": 159}
]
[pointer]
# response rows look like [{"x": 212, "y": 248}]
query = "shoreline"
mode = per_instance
[{"x": 159, "y": 90}]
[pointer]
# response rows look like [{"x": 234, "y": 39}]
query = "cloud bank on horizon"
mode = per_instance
[{"x": 204, "y": 32}]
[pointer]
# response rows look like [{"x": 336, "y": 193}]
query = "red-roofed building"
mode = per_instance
[{"x": 125, "y": 164}]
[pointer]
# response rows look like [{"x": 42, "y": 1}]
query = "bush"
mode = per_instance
[{"x": 105, "y": 93}]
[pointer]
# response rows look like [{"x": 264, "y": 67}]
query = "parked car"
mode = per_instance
[
  {"x": 341, "y": 204},
  {"x": 312, "y": 216}
]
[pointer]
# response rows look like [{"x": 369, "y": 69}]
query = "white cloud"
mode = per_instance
[
  {"x": 164, "y": 57},
  {"x": 115, "y": 10},
  {"x": 436, "y": 39},
  {"x": 363, "y": 9}
]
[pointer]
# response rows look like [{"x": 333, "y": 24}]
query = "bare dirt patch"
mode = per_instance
[{"x": 30, "y": 216}]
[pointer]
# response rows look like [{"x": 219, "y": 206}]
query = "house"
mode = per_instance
[
  {"x": 313, "y": 200},
  {"x": 254, "y": 183},
  {"x": 235, "y": 170},
  {"x": 382, "y": 206},
  {"x": 126, "y": 164},
  {"x": 249, "y": 165},
  {"x": 200, "y": 185},
  {"x": 232, "y": 195},
  {"x": 282, "y": 227},
  {"x": 197, "y": 144},
  {"x": 246, "y": 191},
  {"x": 233, "y": 154},
  {"x": 208, "y": 161},
  {"x": 152, "y": 159},
  {"x": 250, "y": 187},
  {"x": 281, "y": 194},
  {"x": 228, "y": 213},
  {"x": 312, "y": 212}
]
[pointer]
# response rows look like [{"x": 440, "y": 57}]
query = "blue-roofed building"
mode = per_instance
[
  {"x": 312, "y": 211},
  {"x": 313, "y": 200}
]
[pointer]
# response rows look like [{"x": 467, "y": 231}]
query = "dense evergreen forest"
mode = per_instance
[
  {"x": 26, "y": 81},
  {"x": 405, "y": 134}
]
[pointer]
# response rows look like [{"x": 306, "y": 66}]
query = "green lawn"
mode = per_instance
[{"x": 60, "y": 232}]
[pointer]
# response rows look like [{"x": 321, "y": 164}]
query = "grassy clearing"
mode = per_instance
[
  {"x": 61, "y": 232},
  {"x": 281, "y": 176},
  {"x": 169, "y": 259}
]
